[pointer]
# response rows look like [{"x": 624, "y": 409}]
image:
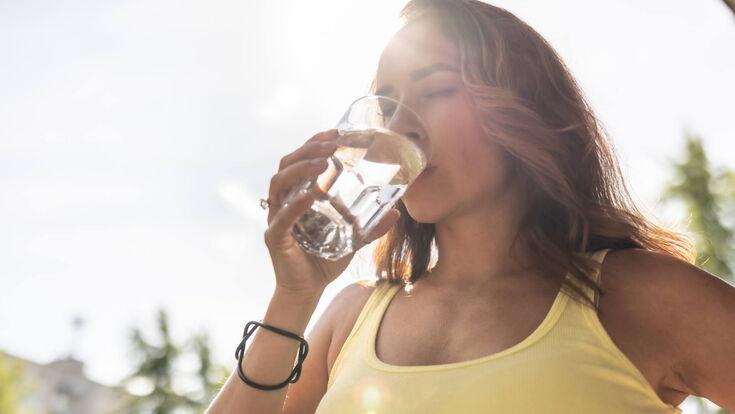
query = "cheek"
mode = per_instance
[
  {"x": 474, "y": 164},
  {"x": 468, "y": 162},
  {"x": 461, "y": 144},
  {"x": 478, "y": 168}
]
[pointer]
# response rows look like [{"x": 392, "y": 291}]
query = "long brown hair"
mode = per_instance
[{"x": 575, "y": 196}]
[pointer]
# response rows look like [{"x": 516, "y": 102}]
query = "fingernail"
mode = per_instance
[
  {"x": 328, "y": 144},
  {"x": 317, "y": 161}
]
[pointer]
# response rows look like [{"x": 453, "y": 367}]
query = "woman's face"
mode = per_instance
[{"x": 468, "y": 169}]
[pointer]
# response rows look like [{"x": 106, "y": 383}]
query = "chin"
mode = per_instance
[
  {"x": 422, "y": 203},
  {"x": 423, "y": 211}
]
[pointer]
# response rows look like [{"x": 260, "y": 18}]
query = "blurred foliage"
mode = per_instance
[
  {"x": 211, "y": 377},
  {"x": 709, "y": 196},
  {"x": 156, "y": 366}
]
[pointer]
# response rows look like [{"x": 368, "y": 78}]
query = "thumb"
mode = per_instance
[{"x": 389, "y": 219}]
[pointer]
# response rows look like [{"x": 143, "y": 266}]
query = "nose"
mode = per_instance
[{"x": 407, "y": 122}]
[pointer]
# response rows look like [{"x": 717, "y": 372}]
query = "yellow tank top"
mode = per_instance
[{"x": 569, "y": 364}]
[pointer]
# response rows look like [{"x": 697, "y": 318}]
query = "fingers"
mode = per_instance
[
  {"x": 322, "y": 144},
  {"x": 279, "y": 228},
  {"x": 324, "y": 135},
  {"x": 294, "y": 174}
]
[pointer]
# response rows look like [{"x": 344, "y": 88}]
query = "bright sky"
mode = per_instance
[{"x": 137, "y": 137}]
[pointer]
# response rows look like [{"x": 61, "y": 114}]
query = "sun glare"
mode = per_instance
[{"x": 335, "y": 47}]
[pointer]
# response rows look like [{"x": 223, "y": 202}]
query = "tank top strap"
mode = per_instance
[
  {"x": 369, "y": 315},
  {"x": 598, "y": 256},
  {"x": 378, "y": 303},
  {"x": 374, "y": 303}
]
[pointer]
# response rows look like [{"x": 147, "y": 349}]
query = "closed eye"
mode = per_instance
[{"x": 445, "y": 92}]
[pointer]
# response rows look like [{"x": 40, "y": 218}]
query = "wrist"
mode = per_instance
[
  {"x": 301, "y": 298},
  {"x": 291, "y": 311}
]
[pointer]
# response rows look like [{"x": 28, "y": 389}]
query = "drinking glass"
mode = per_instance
[{"x": 382, "y": 146}]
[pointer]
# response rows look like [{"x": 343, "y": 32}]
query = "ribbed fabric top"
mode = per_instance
[{"x": 569, "y": 364}]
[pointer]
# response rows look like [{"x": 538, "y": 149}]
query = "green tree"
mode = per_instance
[
  {"x": 156, "y": 365},
  {"x": 707, "y": 193},
  {"x": 709, "y": 197},
  {"x": 211, "y": 376}
]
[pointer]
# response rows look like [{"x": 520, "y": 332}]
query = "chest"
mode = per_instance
[
  {"x": 430, "y": 331},
  {"x": 427, "y": 331}
]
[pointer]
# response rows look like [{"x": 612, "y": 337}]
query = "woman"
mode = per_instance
[{"x": 529, "y": 217}]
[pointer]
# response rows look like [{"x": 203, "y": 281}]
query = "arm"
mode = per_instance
[
  {"x": 705, "y": 340},
  {"x": 268, "y": 359},
  {"x": 698, "y": 316}
]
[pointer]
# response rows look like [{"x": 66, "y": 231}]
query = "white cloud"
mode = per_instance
[
  {"x": 283, "y": 104},
  {"x": 241, "y": 199}
]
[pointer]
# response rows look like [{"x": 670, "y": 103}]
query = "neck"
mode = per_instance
[{"x": 476, "y": 248}]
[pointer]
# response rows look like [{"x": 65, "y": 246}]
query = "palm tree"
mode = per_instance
[
  {"x": 155, "y": 365},
  {"x": 211, "y": 376},
  {"x": 705, "y": 192}
]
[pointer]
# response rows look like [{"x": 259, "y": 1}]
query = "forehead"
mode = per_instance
[{"x": 419, "y": 43}]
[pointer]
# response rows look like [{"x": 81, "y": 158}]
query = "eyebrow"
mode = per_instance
[{"x": 420, "y": 74}]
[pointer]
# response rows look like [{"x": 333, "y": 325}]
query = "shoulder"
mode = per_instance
[
  {"x": 352, "y": 297},
  {"x": 644, "y": 267},
  {"x": 645, "y": 274},
  {"x": 639, "y": 287},
  {"x": 687, "y": 313},
  {"x": 672, "y": 282}
]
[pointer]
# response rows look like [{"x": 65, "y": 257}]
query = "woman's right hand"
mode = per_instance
[{"x": 296, "y": 270}]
